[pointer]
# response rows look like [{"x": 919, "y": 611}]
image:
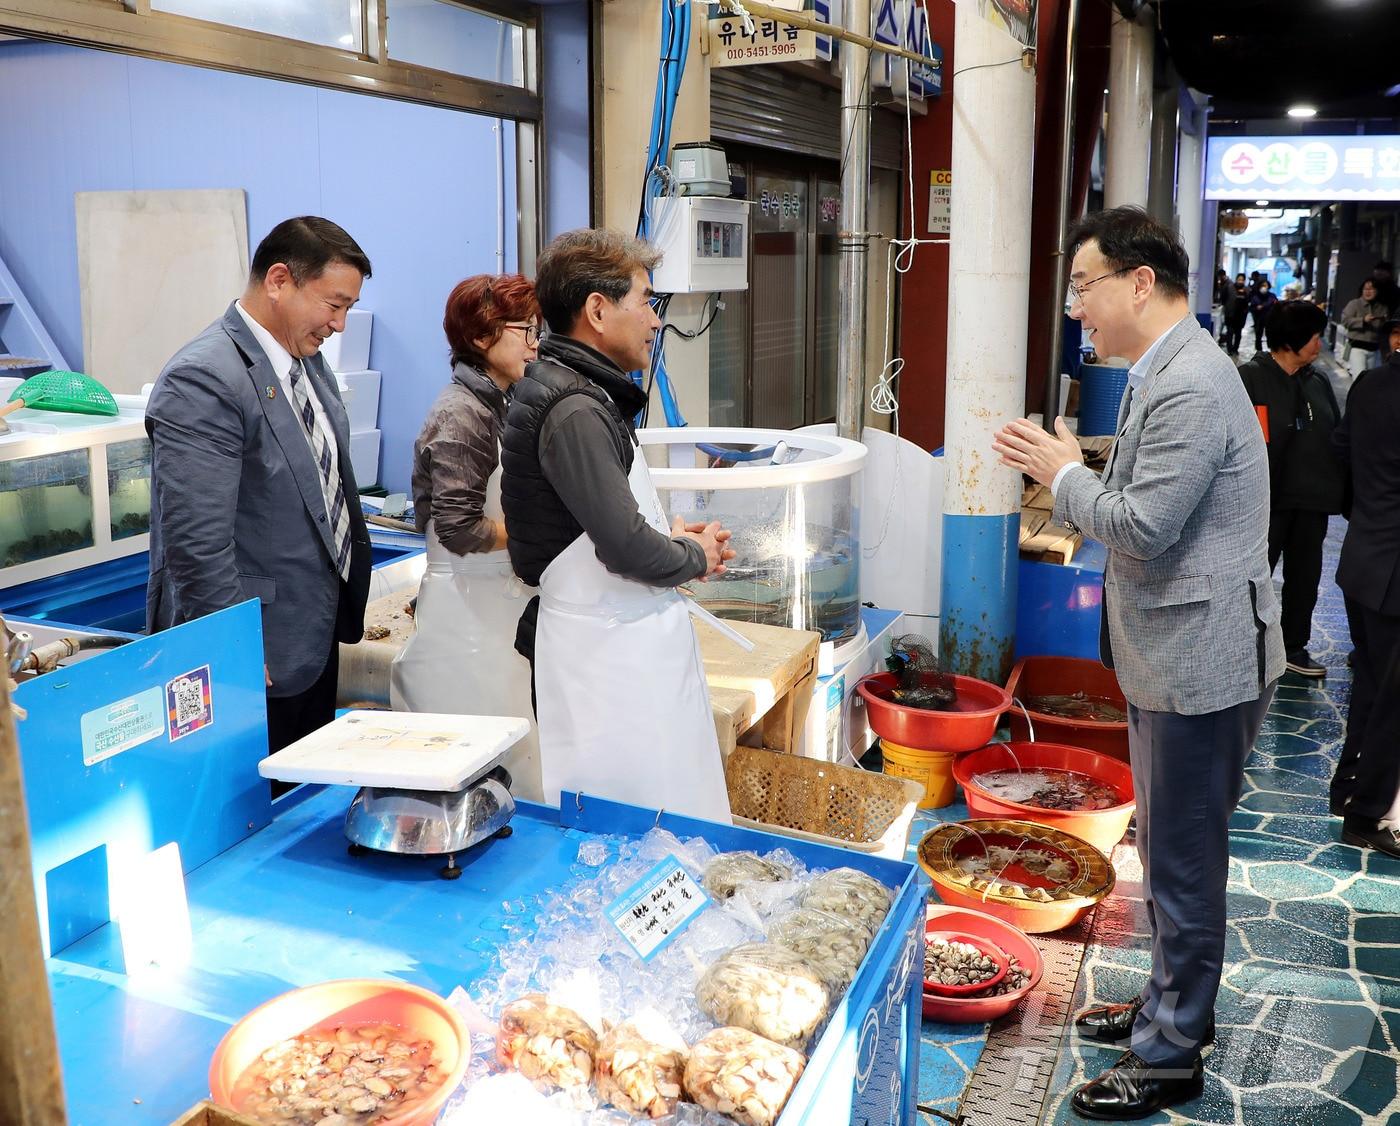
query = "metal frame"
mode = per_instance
[{"x": 129, "y": 26}]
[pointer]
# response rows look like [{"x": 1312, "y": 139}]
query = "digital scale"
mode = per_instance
[{"x": 430, "y": 784}]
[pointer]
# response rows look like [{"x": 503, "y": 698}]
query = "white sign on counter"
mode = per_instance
[{"x": 657, "y": 908}]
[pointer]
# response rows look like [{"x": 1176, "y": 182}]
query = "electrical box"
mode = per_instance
[{"x": 704, "y": 241}]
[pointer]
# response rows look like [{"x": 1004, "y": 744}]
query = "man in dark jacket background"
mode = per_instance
[
  {"x": 1299, "y": 412},
  {"x": 1367, "y": 777}
]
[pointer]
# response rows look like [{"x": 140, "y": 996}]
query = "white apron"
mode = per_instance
[
  {"x": 461, "y": 659},
  {"x": 624, "y": 710}
]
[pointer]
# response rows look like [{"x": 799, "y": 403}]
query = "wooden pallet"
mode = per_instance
[
  {"x": 207, "y": 1114},
  {"x": 760, "y": 698}
]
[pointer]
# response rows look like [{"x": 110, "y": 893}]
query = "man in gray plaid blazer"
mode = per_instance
[{"x": 1190, "y": 623}]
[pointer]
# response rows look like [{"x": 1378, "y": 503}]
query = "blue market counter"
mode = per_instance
[{"x": 156, "y": 744}]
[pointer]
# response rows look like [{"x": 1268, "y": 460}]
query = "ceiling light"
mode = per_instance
[
  {"x": 1261, "y": 203},
  {"x": 1302, "y": 111}
]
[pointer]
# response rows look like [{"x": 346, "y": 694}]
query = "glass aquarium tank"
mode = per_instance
[
  {"x": 75, "y": 490},
  {"x": 129, "y": 487},
  {"x": 45, "y": 506},
  {"x": 792, "y": 501}
]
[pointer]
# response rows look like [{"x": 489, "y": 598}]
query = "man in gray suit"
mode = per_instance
[
  {"x": 1190, "y": 623},
  {"x": 252, "y": 490}
]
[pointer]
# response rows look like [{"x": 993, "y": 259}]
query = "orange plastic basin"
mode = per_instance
[
  {"x": 359, "y": 1001},
  {"x": 1063, "y": 676},
  {"x": 1102, "y": 828},
  {"x": 968, "y": 726},
  {"x": 1013, "y": 940}
]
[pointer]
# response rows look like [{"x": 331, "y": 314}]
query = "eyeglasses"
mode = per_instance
[
  {"x": 532, "y": 332},
  {"x": 1076, "y": 289}
]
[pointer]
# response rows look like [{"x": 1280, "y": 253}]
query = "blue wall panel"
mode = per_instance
[
  {"x": 415, "y": 185},
  {"x": 565, "y": 89}
]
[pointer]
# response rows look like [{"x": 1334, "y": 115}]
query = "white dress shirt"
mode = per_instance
[
  {"x": 282, "y": 361},
  {"x": 1136, "y": 374}
]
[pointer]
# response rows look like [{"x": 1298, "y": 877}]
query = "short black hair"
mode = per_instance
[
  {"x": 1384, "y": 265},
  {"x": 306, "y": 245},
  {"x": 1291, "y": 324},
  {"x": 1129, "y": 237},
  {"x": 586, "y": 261}
]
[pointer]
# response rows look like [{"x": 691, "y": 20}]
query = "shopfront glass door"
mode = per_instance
[{"x": 778, "y": 296}]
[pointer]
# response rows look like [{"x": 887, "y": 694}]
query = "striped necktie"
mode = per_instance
[{"x": 331, "y": 488}]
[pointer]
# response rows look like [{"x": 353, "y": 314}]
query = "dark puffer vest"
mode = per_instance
[{"x": 539, "y": 524}]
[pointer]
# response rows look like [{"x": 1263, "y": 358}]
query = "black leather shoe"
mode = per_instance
[
  {"x": 1365, "y": 833},
  {"x": 1110, "y": 1023},
  {"x": 1132, "y": 1088},
  {"x": 1113, "y": 1024}
]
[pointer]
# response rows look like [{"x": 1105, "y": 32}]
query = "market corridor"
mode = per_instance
[{"x": 1309, "y": 1009}]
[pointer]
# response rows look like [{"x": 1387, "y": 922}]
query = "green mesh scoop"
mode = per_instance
[{"x": 68, "y": 391}]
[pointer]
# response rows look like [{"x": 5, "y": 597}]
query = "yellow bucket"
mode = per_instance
[{"x": 933, "y": 770}]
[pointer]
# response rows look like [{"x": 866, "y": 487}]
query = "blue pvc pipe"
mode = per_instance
[{"x": 977, "y": 623}]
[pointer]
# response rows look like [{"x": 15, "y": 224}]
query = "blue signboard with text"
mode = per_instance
[{"x": 1303, "y": 168}]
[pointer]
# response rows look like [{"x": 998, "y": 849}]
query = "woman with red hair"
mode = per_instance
[{"x": 461, "y": 658}]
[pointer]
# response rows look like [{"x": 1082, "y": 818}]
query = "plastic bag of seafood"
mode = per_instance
[
  {"x": 729, "y": 871},
  {"x": 548, "y": 1044},
  {"x": 829, "y": 944},
  {"x": 734, "y": 1072},
  {"x": 640, "y": 1065},
  {"x": 768, "y": 990},
  {"x": 850, "y": 895}
]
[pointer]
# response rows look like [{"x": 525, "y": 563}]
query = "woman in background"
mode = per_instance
[{"x": 461, "y": 658}]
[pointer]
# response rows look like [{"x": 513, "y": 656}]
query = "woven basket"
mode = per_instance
[{"x": 820, "y": 801}]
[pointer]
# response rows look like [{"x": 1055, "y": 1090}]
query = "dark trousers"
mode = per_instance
[
  {"x": 1188, "y": 771},
  {"x": 1297, "y": 536},
  {"x": 289, "y": 718},
  {"x": 1233, "y": 331},
  {"x": 1368, "y": 772}
]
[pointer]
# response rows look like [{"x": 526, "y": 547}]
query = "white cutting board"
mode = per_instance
[{"x": 397, "y": 750}]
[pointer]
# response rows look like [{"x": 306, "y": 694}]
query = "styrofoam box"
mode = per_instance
[
  {"x": 364, "y": 456},
  {"x": 349, "y": 350},
  {"x": 360, "y": 390}
]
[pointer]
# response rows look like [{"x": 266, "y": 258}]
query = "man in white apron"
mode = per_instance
[{"x": 621, "y": 700}]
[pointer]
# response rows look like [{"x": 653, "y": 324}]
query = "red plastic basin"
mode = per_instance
[
  {"x": 1102, "y": 828},
  {"x": 1063, "y": 676},
  {"x": 975, "y": 1010},
  {"x": 354, "y": 1001},
  {"x": 971, "y": 722}
]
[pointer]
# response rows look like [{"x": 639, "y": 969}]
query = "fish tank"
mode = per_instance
[
  {"x": 74, "y": 490},
  {"x": 792, "y": 501}
]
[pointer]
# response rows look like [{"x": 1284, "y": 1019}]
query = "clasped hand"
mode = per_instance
[
  {"x": 1026, "y": 448},
  {"x": 713, "y": 538}
]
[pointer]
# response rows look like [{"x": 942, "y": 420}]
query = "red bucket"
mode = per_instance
[
  {"x": 1102, "y": 828},
  {"x": 1063, "y": 676},
  {"x": 969, "y": 725}
]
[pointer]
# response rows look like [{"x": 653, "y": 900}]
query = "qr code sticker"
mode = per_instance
[{"x": 189, "y": 700}]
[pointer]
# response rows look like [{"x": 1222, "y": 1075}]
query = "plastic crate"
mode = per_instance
[{"x": 821, "y": 801}]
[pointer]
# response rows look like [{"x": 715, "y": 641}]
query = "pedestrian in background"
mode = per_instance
[
  {"x": 1299, "y": 413},
  {"x": 1362, "y": 318},
  {"x": 1236, "y": 311},
  {"x": 1261, "y": 302}
]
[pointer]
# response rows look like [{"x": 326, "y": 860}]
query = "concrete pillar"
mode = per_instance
[
  {"x": 1161, "y": 179},
  {"x": 1208, "y": 247},
  {"x": 855, "y": 247},
  {"x": 1129, "y": 113},
  {"x": 1323, "y": 262},
  {"x": 1188, "y": 211},
  {"x": 989, "y": 275}
]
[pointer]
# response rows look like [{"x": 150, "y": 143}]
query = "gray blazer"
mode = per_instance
[
  {"x": 237, "y": 510},
  {"x": 1183, "y": 507}
]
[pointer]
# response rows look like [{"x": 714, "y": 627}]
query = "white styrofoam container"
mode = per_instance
[
  {"x": 360, "y": 390},
  {"x": 364, "y": 456},
  {"x": 349, "y": 350}
]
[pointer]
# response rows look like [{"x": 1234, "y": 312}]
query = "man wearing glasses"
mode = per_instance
[
  {"x": 1190, "y": 623},
  {"x": 620, "y": 693}
]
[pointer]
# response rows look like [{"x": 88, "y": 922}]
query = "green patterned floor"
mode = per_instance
[{"x": 1309, "y": 1009}]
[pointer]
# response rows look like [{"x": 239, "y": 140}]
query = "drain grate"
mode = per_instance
[{"x": 1011, "y": 1080}]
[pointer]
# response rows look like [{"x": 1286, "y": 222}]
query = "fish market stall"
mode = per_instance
[{"x": 156, "y": 818}]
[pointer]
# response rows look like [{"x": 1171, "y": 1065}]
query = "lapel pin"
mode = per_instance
[{"x": 271, "y": 392}]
